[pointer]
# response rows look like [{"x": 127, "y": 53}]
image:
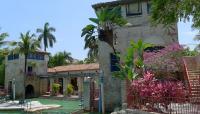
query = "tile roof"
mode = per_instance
[
  {"x": 74, "y": 67},
  {"x": 113, "y": 3}
]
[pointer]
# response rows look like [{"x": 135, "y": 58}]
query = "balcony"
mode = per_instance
[{"x": 30, "y": 74}]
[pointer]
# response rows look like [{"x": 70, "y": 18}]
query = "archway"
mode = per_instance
[{"x": 29, "y": 92}]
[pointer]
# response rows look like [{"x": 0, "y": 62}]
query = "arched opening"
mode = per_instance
[{"x": 29, "y": 92}]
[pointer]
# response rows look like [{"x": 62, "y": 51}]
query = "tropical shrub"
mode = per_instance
[
  {"x": 131, "y": 67},
  {"x": 70, "y": 89},
  {"x": 158, "y": 91},
  {"x": 55, "y": 88}
]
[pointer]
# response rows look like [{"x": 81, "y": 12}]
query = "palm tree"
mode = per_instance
[
  {"x": 105, "y": 22},
  {"x": 27, "y": 45},
  {"x": 68, "y": 57},
  {"x": 2, "y": 38},
  {"x": 47, "y": 36},
  {"x": 90, "y": 41}
]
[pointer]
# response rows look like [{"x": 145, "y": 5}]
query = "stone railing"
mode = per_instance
[{"x": 131, "y": 111}]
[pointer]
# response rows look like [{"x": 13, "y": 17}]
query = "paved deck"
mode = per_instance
[{"x": 30, "y": 106}]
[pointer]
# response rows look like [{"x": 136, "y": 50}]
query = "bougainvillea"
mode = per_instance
[
  {"x": 167, "y": 59},
  {"x": 158, "y": 91}
]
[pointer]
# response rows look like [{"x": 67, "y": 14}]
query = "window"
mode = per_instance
[
  {"x": 36, "y": 56},
  {"x": 148, "y": 7},
  {"x": 30, "y": 69},
  {"x": 13, "y": 57},
  {"x": 134, "y": 9},
  {"x": 154, "y": 49},
  {"x": 114, "y": 61}
]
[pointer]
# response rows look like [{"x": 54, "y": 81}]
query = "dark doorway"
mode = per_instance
[
  {"x": 60, "y": 81},
  {"x": 48, "y": 85},
  {"x": 29, "y": 92},
  {"x": 10, "y": 92},
  {"x": 74, "y": 83}
]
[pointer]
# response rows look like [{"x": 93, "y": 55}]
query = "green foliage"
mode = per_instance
[
  {"x": 3, "y": 36},
  {"x": 59, "y": 59},
  {"x": 2, "y": 69},
  {"x": 2, "y": 74},
  {"x": 105, "y": 15},
  {"x": 46, "y": 35},
  {"x": 188, "y": 52},
  {"x": 168, "y": 12},
  {"x": 106, "y": 19},
  {"x": 28, "y": 44},
  {"x": 55, "y": 88},
  {"x": 90, "y": 60},
  {"x": 70, "y": 88},
  {"x": 132, "y": 60},
  {"x": 2, "y": 39}
]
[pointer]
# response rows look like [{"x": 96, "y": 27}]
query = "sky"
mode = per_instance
[{"x": 67, "y": 16}]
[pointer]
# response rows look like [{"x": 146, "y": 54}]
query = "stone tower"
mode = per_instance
[{"x": 137, "y": 13}]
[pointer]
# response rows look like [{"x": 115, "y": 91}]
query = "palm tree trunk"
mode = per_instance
[{"x": 25, "y": 64}]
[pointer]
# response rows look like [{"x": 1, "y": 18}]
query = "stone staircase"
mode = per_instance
[{"x": 193, "y": 78}]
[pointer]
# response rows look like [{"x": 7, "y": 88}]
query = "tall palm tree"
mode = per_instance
[
  {"x": 105, "y": 22},
  {"x": 46, "y": 35},
  {"x": 27, "y": 44}
]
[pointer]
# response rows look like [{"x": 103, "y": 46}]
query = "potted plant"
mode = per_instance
[
  {"x": 70, "y": 89},
  {"x": 55, "y": 89}
]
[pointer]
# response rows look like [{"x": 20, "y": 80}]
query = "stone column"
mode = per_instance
[
  {"x": 124, "y": 91},
  {"x": 86, "y": 94},
  {"x": 80, "y": 86},
  {"x": 51, "y": 83},
  {"x": 66, "y": 83},
  {"x": 64, "y": 86}
]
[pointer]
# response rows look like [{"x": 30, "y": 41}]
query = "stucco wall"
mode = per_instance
[
  {"x": 43, "y": 86},
  {"x": 15, "y": 70},
  {"x": 140, "y": 27}
]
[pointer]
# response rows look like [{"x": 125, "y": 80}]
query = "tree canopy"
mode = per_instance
[
  {"x": 59, "y": 59},
  {"x": 102, "y": 29},
  {"x": 168, "y": 12},
  {"x": 46, "y": 35}
]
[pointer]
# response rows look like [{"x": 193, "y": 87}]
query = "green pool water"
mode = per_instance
[{"x": 67, "y": 107}]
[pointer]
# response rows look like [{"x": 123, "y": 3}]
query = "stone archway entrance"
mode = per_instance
[{"x": 29, "y": 92}]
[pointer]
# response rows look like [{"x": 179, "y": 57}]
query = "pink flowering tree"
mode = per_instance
[
  {"x": 151, "y": 90},
  {"x": 168, "y": 59}
]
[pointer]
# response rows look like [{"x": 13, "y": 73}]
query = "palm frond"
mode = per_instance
[{"x": 39, "y": 30}]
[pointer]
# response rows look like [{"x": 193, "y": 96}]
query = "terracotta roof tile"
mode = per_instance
[
  {"x": 74, "y": 67},
  {"x": 113, "y": 3}
]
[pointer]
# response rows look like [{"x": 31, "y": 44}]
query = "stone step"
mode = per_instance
[
  {"x": 196, "y": 74},
  {"x": 192, "y": 74},
  {"x": 194, "y": 85},
  {"x": 193, "y": 78}
]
